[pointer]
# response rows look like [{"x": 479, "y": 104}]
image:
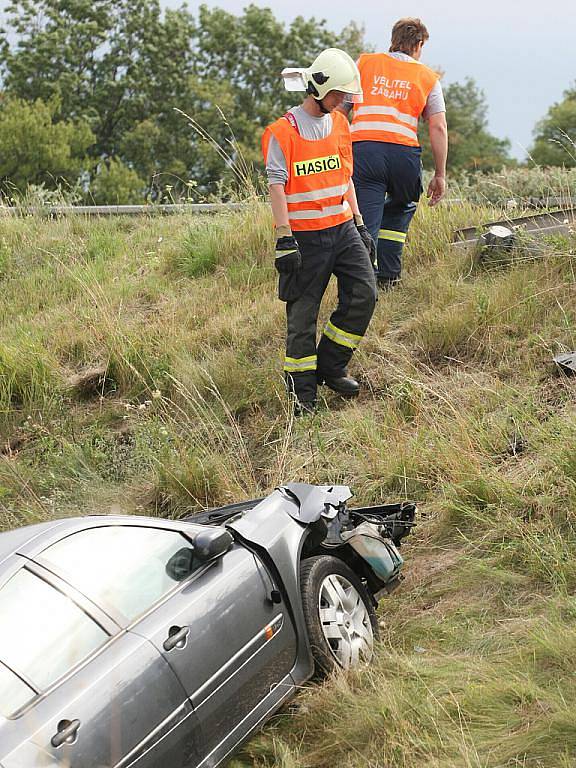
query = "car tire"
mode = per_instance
[{"x": 339, "y": 614}]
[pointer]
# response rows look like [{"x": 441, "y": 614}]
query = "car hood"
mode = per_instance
[{"x": 311, "y": 502}]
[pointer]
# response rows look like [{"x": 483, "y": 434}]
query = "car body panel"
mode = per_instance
[
  {"x": 314, "y": 501},
  {"x": 102, "y": 695},
  {"x": 251, "y": 722},
  {"x": 279, "y": 538},
  {"x": 239, "y": 643}
]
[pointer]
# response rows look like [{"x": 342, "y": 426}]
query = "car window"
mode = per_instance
[
  {"x": 44, "y": 634},
  {"x": 14, "y": 692},
  {"x": 128, "y": 568}
]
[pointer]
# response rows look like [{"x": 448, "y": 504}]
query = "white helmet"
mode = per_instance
[{"x": 332, "y": 70}]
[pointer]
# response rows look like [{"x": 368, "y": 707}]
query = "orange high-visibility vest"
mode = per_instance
[
  {"x": 395, "y": 94},
  {"x": 319, "y": 173}
]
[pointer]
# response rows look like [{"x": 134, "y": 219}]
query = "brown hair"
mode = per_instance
[{"x": 407, "y": 34}]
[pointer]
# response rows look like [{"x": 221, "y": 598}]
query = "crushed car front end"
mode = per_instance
[{"x": 299, "y": 522}]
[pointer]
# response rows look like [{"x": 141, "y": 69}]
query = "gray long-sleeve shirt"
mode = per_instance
[
  {"x": 315, "y": 128},
  {"x": 310, "y": 128}
]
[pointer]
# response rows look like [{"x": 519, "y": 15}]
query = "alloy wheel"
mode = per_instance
[{"x": 345, "y": 621}]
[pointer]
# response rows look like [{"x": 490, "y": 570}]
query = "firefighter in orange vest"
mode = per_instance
[
  {"x": 318, "y": 228},
  {"x": 398, "y": 90}
]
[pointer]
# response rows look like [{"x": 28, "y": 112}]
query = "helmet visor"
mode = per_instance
[
  {"x": 294, "y": 78},
  {"x": 353, "y": 98}
]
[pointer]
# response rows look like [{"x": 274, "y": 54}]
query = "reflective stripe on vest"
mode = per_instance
[
  {"x": 402, "y": 116},
  {"x": 314, "y": 213},
  {"x": 319, "y": 173},
  {"x": 395, "y": 95},
  {"x": 317, "y": 194},
  {"x": 376, "y": 125}
]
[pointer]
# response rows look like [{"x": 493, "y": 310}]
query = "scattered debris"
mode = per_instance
[
  {"x": 517, "y": 444},
  {"x": 497, "y": 237},
  {"x": 559, "y": 222},
  {"x": 566, "y": 362}
]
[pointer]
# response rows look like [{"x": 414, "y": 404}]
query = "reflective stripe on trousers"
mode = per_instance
[
  {"x": 339, "y": 336},
  {"x": 391, "y": 234},
  {"x": 300, "y": 364}
]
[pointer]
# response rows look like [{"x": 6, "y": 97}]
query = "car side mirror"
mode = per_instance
[
  {"x": 181, "y": 564},
  {"x": 211, "y": 542}
]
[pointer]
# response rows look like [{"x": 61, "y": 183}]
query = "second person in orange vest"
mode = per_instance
[
  {"x": 398, "y": 90},
  {"x": 319, "y": 230}
]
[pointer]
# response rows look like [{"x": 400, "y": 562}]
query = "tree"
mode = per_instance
[
  {"x": 124, "y": 65},
  {"x": 245, "y": 55},
  {"x": 111, "y": 62},
  {"x": 116, "y": 184},
  {"x": 471, "y": 145},
  {"x": 555, "y": 135},
  {"x": 37, "y": 148}
]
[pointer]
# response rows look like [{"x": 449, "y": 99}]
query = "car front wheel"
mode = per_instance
[{"x": 339, "y": 614}]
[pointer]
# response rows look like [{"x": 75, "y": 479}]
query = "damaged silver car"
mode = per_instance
[{"x": 132, "y": 641}]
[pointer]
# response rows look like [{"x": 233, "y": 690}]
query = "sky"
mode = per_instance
[{"x": 522, "y": 54}]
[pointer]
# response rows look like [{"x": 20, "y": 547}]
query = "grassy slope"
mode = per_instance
[{"x": 461, "y": 411}]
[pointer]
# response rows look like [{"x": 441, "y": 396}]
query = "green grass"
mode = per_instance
[{"x": 462, "y": 410}]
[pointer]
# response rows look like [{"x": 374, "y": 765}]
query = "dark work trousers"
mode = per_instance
[
  {"x": 340, "y": 251},
  {"x": 388, "y": 182}
]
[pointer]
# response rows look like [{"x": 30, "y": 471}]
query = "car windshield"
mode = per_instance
[{"x": 127, "y": 568}]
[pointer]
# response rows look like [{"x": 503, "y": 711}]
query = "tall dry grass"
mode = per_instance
[{"x": 462, "y": 410}]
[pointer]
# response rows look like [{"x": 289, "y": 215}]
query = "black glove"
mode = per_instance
[
  {"x": 288, "y": 257},
  {"x": 368, "y": 241}
]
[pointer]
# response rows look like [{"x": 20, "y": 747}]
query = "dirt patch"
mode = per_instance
[
  {"x": 425, "y": 565},
  {"x": 91, "y": 382}
]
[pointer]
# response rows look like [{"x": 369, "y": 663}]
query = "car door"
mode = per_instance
[
  {"x": 98, "y": 697},
  {"x": 238, "y": 650}
]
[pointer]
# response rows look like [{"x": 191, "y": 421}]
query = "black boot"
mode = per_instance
[
  {"x": 344, "y": 385},
  {"x": 387, "y": 283}
]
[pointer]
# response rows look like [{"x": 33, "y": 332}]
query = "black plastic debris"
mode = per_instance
[
  {"x": 498, "y": 237},
  {"x": 567, "y": 362}
]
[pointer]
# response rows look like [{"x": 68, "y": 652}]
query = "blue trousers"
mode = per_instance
[{"x": 388, "y": 181}]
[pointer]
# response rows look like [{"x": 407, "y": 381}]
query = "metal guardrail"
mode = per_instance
[
  {"x": 562, "y": 222},
  {"x": 550, "y": 202},
  {"x": 117, "y": 210},
  {"x": 171, "y": 208}
]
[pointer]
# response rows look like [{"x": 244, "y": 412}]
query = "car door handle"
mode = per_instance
[
  {"x": 176, "y": 638},
  {"x": 67, "y": 730}
]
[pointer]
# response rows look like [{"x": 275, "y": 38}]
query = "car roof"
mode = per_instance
[
  {"x": 12, "y": 540},
  {"x": 32, "y": 539}
]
